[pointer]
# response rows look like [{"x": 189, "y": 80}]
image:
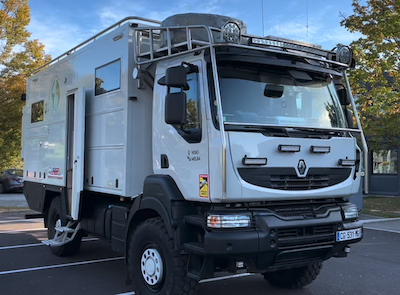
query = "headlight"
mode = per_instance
[
  {"x": 228, "y": 221},
  {"x": 231, "y": 32},
  {"x": 350, "y": 211}
]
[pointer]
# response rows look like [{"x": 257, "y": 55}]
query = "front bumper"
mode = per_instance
[{"x": 277, "y": 243}]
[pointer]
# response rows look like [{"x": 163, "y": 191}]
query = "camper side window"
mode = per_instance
[
  {"x": 37, "y": 111},
  {"x": 191, "y": 131},
  {"x": 108, "y": 77}
]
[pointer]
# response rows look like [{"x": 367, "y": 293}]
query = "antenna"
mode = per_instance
[
  {"x": 262, "y": 16},
  {"x": 307, "y": 19}
]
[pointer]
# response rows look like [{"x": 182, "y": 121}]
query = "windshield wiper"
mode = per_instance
[
  {"x": 301, "y": 132},
  {"x": 266, "y": 130}
]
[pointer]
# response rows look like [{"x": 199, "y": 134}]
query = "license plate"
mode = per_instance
[{"x": 346, "y": 235}]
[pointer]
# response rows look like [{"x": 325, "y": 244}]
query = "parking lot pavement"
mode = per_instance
[
  {"x": 13, "y": 200},
  {"x": 28, "y": 267}
]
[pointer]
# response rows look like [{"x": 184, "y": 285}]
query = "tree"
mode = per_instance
[
  {"x": 18, "y": 59},
  {"x": 375, "y": 81}
]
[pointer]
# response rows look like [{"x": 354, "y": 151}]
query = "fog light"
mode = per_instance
[
  {"x": 289, "y": 148},
  {"x": 346, "y": 162},
  {"x": 254, "y": 161},
  {"x": 228, "y": 221},
  {"x": 320, "y": 149},
  {"x": 350, "y": 211}
]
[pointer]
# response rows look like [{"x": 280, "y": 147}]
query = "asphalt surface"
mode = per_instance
[
  {"x": 13, "y": 200},
  {"x": 28, "y": 267}
]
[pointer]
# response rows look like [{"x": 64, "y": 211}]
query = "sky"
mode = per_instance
[{"x": 61, "y": 25}]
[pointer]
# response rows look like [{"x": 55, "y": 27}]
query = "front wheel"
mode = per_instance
[
  {"x": 155, "y": 266},
  {"x": 54, "y": 220},
  {"x": 294, "y": 278}
]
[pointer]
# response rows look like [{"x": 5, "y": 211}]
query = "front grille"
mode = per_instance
[
  {"x": 300, "y": 237},
  {"x": 287, "y": 179}
]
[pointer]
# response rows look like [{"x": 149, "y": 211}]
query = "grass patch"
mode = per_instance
[
  {"x": 13, "y": 209},
  {"x": 386, "y": 207}
]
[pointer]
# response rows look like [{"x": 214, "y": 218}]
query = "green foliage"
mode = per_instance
[
  {"x": 18, "y": 59},
  {"x": 375, "y": 81}
]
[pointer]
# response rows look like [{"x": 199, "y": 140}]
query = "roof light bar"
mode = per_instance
[
  {"x": 320, "y": 149},
  {"x": 289, "y": 148},
  {"x": 347, "y": 162},
  {"x": 288, "y": 45},
  {"x": 254, "y": 161}
]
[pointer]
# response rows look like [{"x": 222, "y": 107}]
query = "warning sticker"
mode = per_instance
[{"x": 203, "y": 185}]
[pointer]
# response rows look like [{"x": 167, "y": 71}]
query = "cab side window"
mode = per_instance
[{"x": 191, "y": 131}]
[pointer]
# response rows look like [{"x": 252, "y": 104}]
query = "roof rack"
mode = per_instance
[
  {"x": 141, "y": 20},
  {"x": 163, "y": 42},
  {"x": 156, "y": 43}
]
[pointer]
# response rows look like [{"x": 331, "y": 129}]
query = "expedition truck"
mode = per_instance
[{"x": 195, "y": 148}]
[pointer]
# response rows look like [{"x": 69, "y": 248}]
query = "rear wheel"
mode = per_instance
[
  {"x": 155, "y": 266},
  {"x": 54, "y": 220},
  {"x": 294, "y": 278}
]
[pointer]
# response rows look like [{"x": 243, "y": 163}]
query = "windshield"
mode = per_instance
[{"x": 278, "y": 97}]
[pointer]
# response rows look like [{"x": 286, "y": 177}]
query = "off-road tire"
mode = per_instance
[
  {"x": 53, "y": 215},
  {"x": 294, "y": 278},
  {"x": 153, "y": 234}
]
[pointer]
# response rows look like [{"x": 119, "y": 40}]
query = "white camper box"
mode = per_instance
[{"x": 116, "y": 134}]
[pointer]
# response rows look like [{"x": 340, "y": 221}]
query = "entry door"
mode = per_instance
[
  {"x": 75, "y": 149},
  {"x": 182, "y": 151}
]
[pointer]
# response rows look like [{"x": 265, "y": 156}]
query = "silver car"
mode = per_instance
[{"x": 11, "y": 180}]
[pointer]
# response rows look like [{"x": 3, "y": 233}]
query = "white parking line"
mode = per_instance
[
  {"x": 21, "y": 220},
  {"x": 38, "y": 244},
  {"x": 59, "y": 265},
  {"x": 226, "y": 277},
  {"x": 379, "y": 220},
  {"x": 21, "y": 230},
  {"x": 382, "y": 229}
]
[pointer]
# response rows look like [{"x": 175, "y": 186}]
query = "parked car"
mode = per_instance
[{"x": 11, "y": 180}]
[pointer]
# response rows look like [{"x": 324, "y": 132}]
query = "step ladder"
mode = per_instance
[{"x": 64, "y": 234}]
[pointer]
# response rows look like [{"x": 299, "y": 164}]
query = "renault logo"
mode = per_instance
[{"x": 302, "y": 167}]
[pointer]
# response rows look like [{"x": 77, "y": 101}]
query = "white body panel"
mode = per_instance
[
  {"x": 118, "y": 129},
  {"x": 78, "y": 151},
  {"x": 257, "y": 145},
  {"x": 188, "y": 162}
]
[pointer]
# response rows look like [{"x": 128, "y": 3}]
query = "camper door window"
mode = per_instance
[{"x": 108, "y": 77}]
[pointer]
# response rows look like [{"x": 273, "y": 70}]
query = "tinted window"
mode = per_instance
[
  {"x": 19, "y": 173},
  {"x": 37, "y": 111},
  {"x": 384, "y": 162},
  {"x": 191, "y": 131},
  {"x": 108, "y": 77}
]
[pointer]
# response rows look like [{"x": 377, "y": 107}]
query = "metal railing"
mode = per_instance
[{"x": 163, "y": 42}]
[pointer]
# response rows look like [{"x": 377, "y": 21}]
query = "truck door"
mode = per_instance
[
  {"x": 75, "y": 149},
  {"x": 182, "y": 151}
]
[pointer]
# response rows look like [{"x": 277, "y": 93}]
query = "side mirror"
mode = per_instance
[
  {"x": 343, "y": 96},
  {"x": 176, "y": 77},
  {"x": 175, "y": 108},
  {"x": 349, "y": 117}
]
